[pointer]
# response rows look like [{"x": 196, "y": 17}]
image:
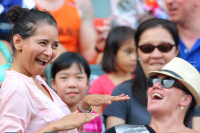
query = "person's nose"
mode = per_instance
[
  {"x": 48, "y": 51},
  {"x": 71, "y": 83},
  {"x": 168, "y": 2},
  {"x": 157, "y": 85},
  {"x": 156, "y": 53}
]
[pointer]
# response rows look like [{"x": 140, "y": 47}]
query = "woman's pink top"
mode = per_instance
[
  {"x": 102, "y": 85},
  {"x": 26, "y": 109}
]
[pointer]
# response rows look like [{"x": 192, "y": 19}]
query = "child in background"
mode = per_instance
[
  {"x": 119, "y": 62},
  {"x": 70, "y": 73}
]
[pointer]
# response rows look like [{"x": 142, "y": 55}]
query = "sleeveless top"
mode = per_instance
[{"x": 8, "y": 57}]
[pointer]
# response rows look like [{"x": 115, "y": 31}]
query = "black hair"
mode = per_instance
[
  {"x": 190, "y": 110},
  {"x": 66, "y": 59},
  {"x": 116, "y": 37},
  {"x": 139, "y": 87},
  {"x": 26, "y": 21},
  {"x": 156, "y": 22}
]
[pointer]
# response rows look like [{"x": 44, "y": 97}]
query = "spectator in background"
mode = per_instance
[
  {"x": 156, "y": 45},
  {"x": 70, "y": 79},
  {"x": 27, "y": 103},
  {"x": 5, "y": 58},
  {"x": 119, "y": 62},
  {"x": 185, "y": 13},
  {"x": 132, "y": 12},
  {"x": 75, "y": 26}
]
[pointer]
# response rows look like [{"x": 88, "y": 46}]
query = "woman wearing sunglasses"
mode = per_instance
[
  {"x": 173, "y": 93},
  {"x": 157, "y": 44}
]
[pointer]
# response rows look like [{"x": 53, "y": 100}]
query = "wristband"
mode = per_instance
[{"x": 82, "y": 110}]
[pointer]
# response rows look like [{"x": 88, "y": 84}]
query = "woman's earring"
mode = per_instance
[
  {"x": 18, "y": 48},
  {"x": 181, "y": 107},
  {"x": 138, "y": 58}
]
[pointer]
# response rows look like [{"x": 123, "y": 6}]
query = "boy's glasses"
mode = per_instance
[
  {"x": 163, "y": 47},
  {"x": 166, "y": 82}
]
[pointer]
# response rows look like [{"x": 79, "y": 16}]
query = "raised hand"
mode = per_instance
[{"x": 98, "y": 100}]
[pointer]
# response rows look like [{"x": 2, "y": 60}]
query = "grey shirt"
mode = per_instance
[{"x": 132, "y": 111}]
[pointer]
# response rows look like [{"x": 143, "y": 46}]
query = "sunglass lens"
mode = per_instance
[
  {"x": 167, "y": 83},
  {"x": 165, "y": 47},
  {"x": 151, "y": 81},
  {"x": 147, "y": 48}
]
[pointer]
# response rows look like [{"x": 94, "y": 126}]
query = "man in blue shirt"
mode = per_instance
[{"x": 186, "y": 14}]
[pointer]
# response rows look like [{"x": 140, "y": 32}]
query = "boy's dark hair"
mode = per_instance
[
  {"x": 116, "y": 37},
  {"x": 26, "y": 21},
  {"x": 66, "y": 59}
]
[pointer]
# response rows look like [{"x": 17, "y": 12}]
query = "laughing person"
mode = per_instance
[
  {"x": 27, "y": 103},
  {"x": 173, "y": 93}
]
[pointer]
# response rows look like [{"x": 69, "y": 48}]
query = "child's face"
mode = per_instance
[
  {"x": 126, "y": 57},
  {"x": 71, "y": 84}
]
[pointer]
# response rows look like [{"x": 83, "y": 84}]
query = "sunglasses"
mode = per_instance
[
  {"x": 166, "y": 82},
  {"x": 163, "y": 47}
]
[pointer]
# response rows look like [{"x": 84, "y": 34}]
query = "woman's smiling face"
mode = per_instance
[
  {"x": 155, "y": 60},
  {"x": 38, "y": 50}
]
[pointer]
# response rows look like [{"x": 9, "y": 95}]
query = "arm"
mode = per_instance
[
  {"x": 14, "y": 110},
  {"x": 98, "y": 110},
  {"x": 113, "y": 121},
  {"x": 87, "y": 31},
  {"x": 75, "y": 120},
  {"x": 91, "y": 37},
  {"x": 117, "y": 112}
]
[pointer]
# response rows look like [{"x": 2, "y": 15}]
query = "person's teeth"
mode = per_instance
[
  {"x": 44, "y": 60},
  {"x": 158, "y": 95}
]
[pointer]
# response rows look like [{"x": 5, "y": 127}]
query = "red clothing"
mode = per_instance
[
  {"x": 102, "y": 85},
  {"x": 69, "y": 24}
]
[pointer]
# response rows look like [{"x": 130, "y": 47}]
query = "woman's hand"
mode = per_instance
[
  {"x": 98, "y": 100},
  {"x": 69, "y": 122}
]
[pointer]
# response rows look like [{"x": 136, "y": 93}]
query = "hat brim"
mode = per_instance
[{"x": 188, "y": 86}]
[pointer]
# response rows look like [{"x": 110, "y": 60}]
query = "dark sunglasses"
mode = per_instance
[
  {"x": 166, "y": 82},
  {"x": 163, "y": 47}
]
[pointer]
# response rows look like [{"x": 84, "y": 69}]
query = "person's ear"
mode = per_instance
[
  {"x": 186, "y": 100},
  {"x": 53, "y": 84},
  {"x": 17, "y": 41}
]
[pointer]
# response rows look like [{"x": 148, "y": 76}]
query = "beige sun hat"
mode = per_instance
[{"x": 185, "y": 73}]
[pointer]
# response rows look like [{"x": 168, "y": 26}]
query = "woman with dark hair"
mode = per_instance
[
  {"x": 173, "y": 93},
  {"x": 119, "y": 62},
  {"x": 157, "y": 44},
  {"x": 27, "y": 103}
]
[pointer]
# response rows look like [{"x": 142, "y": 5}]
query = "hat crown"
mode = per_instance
[{"x": 185, "y": 70}]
